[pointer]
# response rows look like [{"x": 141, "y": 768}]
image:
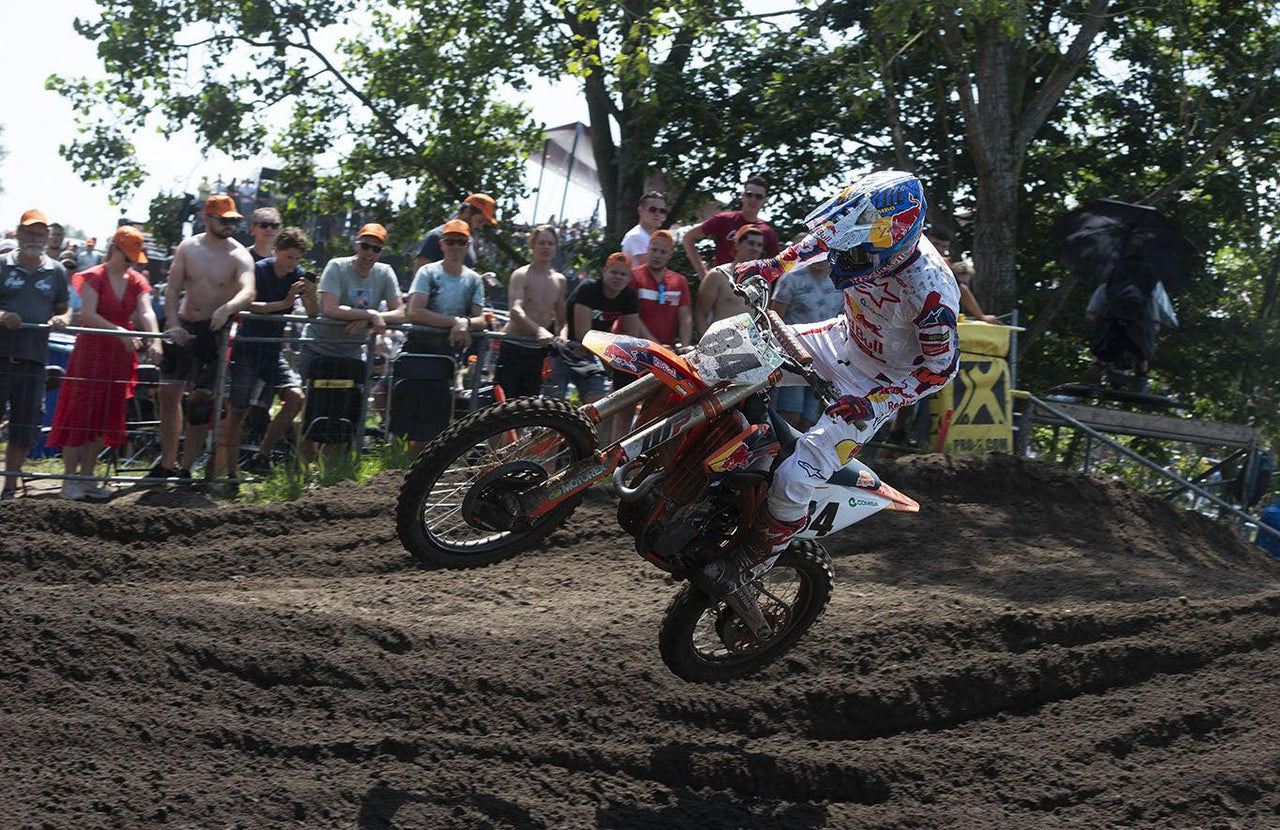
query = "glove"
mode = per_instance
[
  {"x": 854, "y": 409},
  {"x": 744, "y": 273}
]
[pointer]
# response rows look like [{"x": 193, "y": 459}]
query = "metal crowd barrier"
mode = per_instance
[{"x": 368, "y": 343}]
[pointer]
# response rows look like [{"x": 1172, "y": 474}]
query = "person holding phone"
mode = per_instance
[{"x": 259, "y": 371}]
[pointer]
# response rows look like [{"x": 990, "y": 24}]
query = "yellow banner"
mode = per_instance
[{"x": 980, "y": 397}]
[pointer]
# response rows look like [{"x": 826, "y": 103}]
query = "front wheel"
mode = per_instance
[
  {"x": 459, "y": 503},
  {"x": 703, "y": 640}
]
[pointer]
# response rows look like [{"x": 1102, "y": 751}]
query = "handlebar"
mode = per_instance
[{"x": 755, "y": 291}]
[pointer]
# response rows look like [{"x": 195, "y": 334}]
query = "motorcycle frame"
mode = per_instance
[{"x": 678, "y": 418}]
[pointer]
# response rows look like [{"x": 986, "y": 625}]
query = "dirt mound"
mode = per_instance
[{"x": 1033, "y": 649}]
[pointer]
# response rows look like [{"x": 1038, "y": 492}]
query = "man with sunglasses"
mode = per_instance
[
  {"x": 477, "y": 210},
  {"x": 211, "y": 279},
  {"x": 652, "y": 212},
  {"x": 723, "y": 228},
  {"x": 265, "y": 227},
  {"x": 353, "y": 289}
]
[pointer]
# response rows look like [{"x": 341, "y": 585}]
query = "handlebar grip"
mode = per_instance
[{"x": 789, "y": 341}]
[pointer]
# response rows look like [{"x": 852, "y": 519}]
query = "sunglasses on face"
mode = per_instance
[
  {"x": 749, "y": 195},
  {"x": 454, "y": 241},
  {"x": 228, "y": 220},
  {"x": 268, "y": 224},
  {"x": 365, "y": 246},
  {"x": 656, "y": 209}
]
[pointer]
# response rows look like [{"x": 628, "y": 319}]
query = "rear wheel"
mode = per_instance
[
  {"x": 458, "y": 505},
  {"x": 704, "y": 640}
]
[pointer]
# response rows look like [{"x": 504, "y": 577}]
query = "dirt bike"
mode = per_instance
[{"x": 689, "y": 478}]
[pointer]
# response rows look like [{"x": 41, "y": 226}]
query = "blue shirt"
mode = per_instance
[
  {"x": 1270, "y": 518},
  {"x": 270, "y": 289}
]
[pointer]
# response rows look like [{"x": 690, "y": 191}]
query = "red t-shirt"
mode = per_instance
[
  {"x": 723, "y": 228},
  {"x": 660, "y": 303}
]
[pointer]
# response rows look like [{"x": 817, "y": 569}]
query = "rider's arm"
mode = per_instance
[
  {"x": 938, "y": 343},
  {"x": 792, "y": 257}
]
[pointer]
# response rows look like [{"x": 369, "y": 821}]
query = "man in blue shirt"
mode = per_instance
[{"x": 259, "y": 370}]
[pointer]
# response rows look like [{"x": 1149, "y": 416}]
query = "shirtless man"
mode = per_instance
[
  {"x": 716, "y": 299},
  {"x": 212, "y": 276},
  {"x": 537, "y": 311}
]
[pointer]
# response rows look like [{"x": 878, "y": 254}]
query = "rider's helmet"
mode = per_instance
[{"x": 872, "y": 227}]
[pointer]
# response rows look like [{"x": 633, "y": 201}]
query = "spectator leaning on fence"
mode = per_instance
[
  {"x": 353, "y": 290},
  {"x": 447, "y": 296},
  {"x": 102, "y": 371},
  {"x": 211, "y": 280},
  {"x": 35, "y": 290},
  {"x": 537, "y": 294},
  {"x": 665, "y": 306},
  {"x": 652, "y": 212},
  {"x": 477, "y": 210},
  {"x": 278, "y": 282}
]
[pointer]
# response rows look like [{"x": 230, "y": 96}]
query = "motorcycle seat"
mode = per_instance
[{"x": 850, "y": 475}]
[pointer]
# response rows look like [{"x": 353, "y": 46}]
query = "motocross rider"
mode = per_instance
[{"x": 894, "y": 344}]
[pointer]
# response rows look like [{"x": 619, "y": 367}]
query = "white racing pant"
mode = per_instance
[{"x": 831, "y": 442}]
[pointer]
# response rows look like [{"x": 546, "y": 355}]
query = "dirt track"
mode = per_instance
[{"x": 1033, "y": 650}]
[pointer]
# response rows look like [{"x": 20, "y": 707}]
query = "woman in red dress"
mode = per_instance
[{"x": 101, "y": 372}]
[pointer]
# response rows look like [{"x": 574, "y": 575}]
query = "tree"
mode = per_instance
[
  {"x": 417, "y": 96},
  {"x": 357, "y": 102}
]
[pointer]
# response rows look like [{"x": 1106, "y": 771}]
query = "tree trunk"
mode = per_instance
[{"x": 995, "y": 229}]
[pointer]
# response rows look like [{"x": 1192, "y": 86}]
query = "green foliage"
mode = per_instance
[{"x": 166, "y": 217}]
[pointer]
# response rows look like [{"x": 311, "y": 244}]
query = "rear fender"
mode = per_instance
[{"x": 834, "y": 507}]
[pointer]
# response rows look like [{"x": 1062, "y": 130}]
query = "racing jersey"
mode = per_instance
[{"x": 900, "y": 328}]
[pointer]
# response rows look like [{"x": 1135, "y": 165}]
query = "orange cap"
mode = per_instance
[
  {"x": 130, "y": 241},
  {"x": 663, "y": 233},
  {"x": 456, "y": 226},
  {"x": 618, "y": 258},
  {"x": 375, "y": 230},
  {"x": 484, "y": 203},
  {"x": 747, "y": 229},
  {"x": 221, "y": 206},
  {"x": 33, "y": 217}
]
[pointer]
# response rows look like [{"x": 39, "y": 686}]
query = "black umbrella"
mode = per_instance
[{"x": 1107, "y": 241}]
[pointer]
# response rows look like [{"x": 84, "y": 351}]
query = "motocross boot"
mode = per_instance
[{"x": 766, "y": 539}]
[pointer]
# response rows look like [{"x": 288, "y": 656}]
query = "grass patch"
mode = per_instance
[{"x": 289, "y": 482}]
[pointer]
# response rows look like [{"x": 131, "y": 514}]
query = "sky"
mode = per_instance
[{"x": 42, "y": 41}]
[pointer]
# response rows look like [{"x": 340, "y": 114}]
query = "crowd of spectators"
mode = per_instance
[{"x": 210, "y": 316}]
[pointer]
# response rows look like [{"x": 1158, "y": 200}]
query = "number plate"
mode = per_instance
[{"x": 734, "y": 349}]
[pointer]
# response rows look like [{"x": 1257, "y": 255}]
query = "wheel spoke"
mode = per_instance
[{"x": 548, "y": 448}]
